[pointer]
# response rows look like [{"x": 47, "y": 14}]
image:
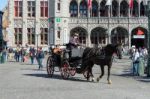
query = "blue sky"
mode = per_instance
[{"x": 3, "y": 3}]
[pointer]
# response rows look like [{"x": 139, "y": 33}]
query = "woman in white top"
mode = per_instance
[{"x": 136, "y": 56}]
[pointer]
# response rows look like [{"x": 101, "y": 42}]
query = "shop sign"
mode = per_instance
[{"x": 139, "y": 36}]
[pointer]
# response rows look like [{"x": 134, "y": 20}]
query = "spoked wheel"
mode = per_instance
[
  {"x": 65, "y": 70},
  {"x": 73, "y": 71},
  {"x": 50, "y": 66}
]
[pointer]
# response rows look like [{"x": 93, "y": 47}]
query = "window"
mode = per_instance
[
  {"x": 31, "y": 35},
  {"x": 83, "y": 9},
  {"x": 18, "y": 8},
  {"x": 94, "y": 9},
  {"x": 44, "y": 8},
  {"x": 18, "y": 36},
  {"x": 58, "y": 34},
  {"x": 31, "y": 8},
  {"x": 73, "y": 9},
  {"x": 44, "y": 35},
  {"x": 58, "y": 6}
]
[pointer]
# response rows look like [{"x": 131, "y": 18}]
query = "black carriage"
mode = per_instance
[
  {"x": 70, "y": 64},
  {"x": 67, "y": 65},
  {"x": 54, "y": 60}
]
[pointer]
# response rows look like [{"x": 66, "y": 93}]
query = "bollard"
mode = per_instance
[{"x": 0, "y": 57}]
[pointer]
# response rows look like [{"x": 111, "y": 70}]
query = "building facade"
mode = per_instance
[
  {"x": 101, "y": 24},
  {"x": 5, "y": 26},
  {"x": 28, "y": 23},
  {"x": 1, "y": 35}
]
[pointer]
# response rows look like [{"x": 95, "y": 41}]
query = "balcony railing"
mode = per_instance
[{"x": 103, "y": 20}]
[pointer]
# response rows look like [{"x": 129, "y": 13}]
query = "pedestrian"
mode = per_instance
[
  {"x": 17, "y": 54},
  {"x": 40, "y": 56},
  {"x": 135, "y": 59},
  {"x": 22, "y": 52},
  {"x": 32, "y": 54}
]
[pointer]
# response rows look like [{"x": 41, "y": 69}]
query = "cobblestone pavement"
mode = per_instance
[{"x": 25, "y": 81}]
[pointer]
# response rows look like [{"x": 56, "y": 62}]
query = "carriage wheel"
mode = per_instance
[
  {"x": 73, "y": 71},
  {"x": 50, "y": 66},
  {"x": 65, "y": 72}
]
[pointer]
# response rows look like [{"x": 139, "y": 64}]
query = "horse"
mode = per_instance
[{"x": 100, "y": 56}]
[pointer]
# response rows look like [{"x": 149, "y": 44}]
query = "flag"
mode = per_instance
[
  {"x": 89, "y": 4},
  {"x": 109, "y": 2},
  {"x": 140, "y": 32},
  {"x": 131, "y": 4}
]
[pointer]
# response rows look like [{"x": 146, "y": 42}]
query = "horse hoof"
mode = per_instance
[
  {"x": 88, "y": 79},
  {"x": 109, "y": 82},
  {"x": 98, "y": 79},
  {"x": 93, "y": 80}
]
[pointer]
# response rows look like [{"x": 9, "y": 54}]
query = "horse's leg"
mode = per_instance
[
  {"x": 91, "y": 74},
  {"x": 108, "y": 77},
  {"x": 88, "y": 74},
  {"x": 102, "y": 73}
]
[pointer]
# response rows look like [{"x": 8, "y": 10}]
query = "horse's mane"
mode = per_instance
[{"x": 89, "y": 52}]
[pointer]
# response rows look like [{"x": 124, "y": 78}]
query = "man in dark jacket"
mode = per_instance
[{"x": 73, "y": 43}]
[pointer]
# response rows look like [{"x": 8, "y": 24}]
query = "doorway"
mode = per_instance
[
  {"x": 139, "y": 37},
  {"x": 137, "y": 42}
]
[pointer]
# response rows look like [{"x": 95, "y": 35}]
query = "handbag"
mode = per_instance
[{"x": 137, "y": 60}]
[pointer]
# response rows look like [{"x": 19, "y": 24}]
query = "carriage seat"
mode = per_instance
[
  {"x": 72, "y": 59},
  {"x": 77, "y": 52}
]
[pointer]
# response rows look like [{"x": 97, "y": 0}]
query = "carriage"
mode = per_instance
[
  {"x": 62, "y": 62},
  {"x": 82, "y": 61}
]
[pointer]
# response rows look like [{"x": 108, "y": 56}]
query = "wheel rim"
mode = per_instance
[
  {"x": 65, "y": 70},
  {"x": 73, "y": 71},
  {"x": 50, "y": 67}
]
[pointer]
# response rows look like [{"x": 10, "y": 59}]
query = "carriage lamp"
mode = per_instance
[{"x": 148, "y": 61}]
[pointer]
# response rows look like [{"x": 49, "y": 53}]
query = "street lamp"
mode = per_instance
[
  {"x": 37, "y": 35},
  {"x": 148, "y": 64}
]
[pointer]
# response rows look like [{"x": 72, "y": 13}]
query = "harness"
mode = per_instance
[{"x": 97, "y": 52}]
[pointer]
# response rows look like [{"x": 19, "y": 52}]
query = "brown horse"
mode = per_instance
[{"x": 99, "y": 56}]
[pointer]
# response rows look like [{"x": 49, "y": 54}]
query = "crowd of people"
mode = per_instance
[
  {"x": 22, "y": 54},
  {"x": 139, "y": 60}
]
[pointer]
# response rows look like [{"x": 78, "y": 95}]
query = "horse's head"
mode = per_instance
[
  {"x": 118, "y": 50},
  {"x": 111, "y": 48}
]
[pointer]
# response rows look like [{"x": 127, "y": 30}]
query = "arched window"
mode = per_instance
[
  {"x": 124, "y": 8},
  {"x": 103, "y": 9},
  {"x": 83, "y": 8},
  {"x": 115, "y": 9},
  {"x": 135, "y": 11},
  {"x": 94, "y": 9},
  {"x": 98, "y": 36},
  {"x": 142, "y": 9},
  {"x": 73, "y": 9},
  {"x": 82, "y": 34}
]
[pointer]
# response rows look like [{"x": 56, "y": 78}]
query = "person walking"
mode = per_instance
[
  {"x": 40, "y": 57},
  {"x": 135, "y": 59},
  {"x": 32, "y": 54},
  {"x": 17, "y": 54}
]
